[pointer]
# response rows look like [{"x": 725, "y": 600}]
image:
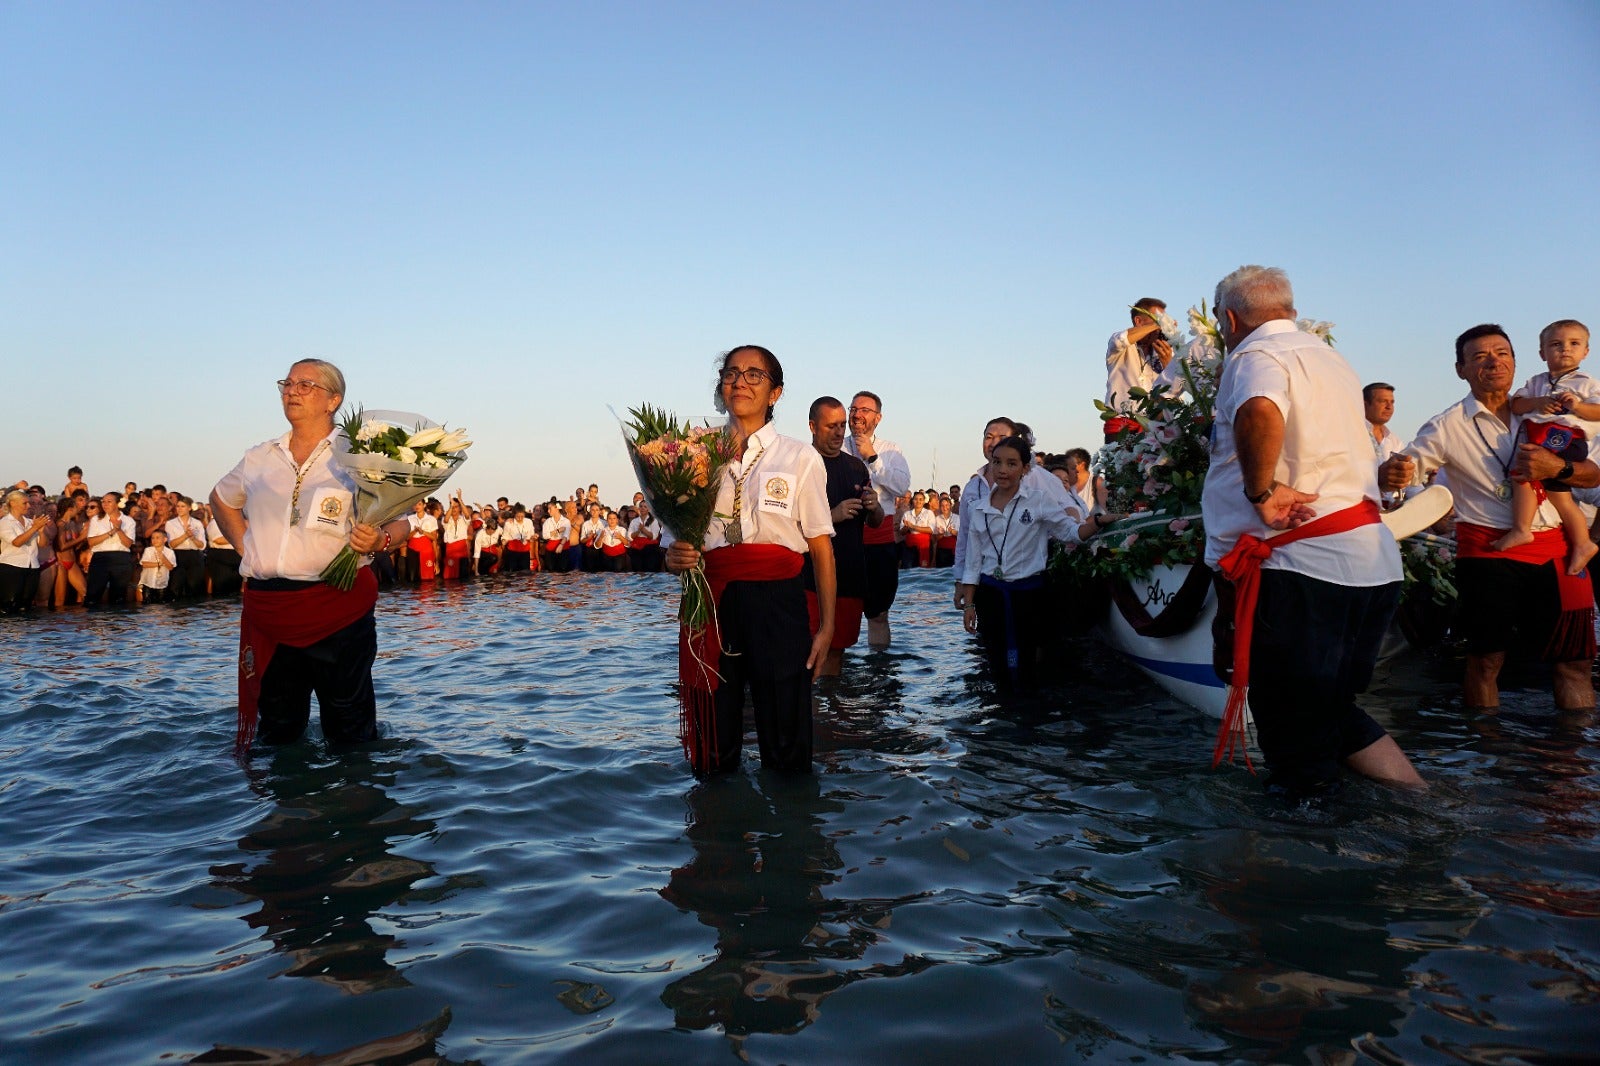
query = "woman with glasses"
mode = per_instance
[
  {"x": 771, "y": 509},
  {"x": 287, "y": 508}
]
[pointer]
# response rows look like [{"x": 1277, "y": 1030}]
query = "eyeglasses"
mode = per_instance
[
  {"x": 286, "y": 386},
  {"x": 863, "y": 410},
  {"x": 753, "y": 376}
]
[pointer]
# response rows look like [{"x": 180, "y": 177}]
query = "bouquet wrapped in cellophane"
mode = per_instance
[
  {"x": 395, "y": 459},
  {"x": 679, "y": 467}
]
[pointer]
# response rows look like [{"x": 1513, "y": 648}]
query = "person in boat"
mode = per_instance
[
  {"x": 853, "y": 507},
  {"x": 891, "y": 479},
  {"x": 981, "y": 485},
  {"x": 1002, "y": 575},
  {"x": 1089, "y": 486},
  {"x": 774, "y": 497},
  {"x": 1310, "y": 589},
  {"x": 1521, "y": 600},
  {"x": 287, "y": 508},
  {"x": 1135, "y": 357}
]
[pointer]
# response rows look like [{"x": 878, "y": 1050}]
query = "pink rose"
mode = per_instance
[{"x": 1178, "y": 525}]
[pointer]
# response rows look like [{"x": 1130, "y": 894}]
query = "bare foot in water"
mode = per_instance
[
  {"x": 1514, "y": 539},
  {"x": 1579, "y": 559}
]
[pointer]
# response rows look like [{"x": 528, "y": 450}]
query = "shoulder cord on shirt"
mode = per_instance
[
  {"x": 299, "y": 476},
  {"x": 738, "y": 492},
  {"x": 1505, "y": 467},
  {"x": 1000, "y": 549}
]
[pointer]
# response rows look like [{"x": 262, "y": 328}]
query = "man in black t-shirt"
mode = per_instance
[{"x": 853, "y": 505}]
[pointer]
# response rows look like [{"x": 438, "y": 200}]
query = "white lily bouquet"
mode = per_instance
[{"x": 395, "y": 459}]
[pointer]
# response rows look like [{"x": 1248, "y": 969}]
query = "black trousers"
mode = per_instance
[
  {"x": 883, "y": 579},
  {"x": 18, "y": 586},
  {"x": 222, "y": 567},
  {"x": 1024, "y": 630},
  {"x": 189, "y": 576},
  {"x": 1312, "y": 654},
  {"x": 111, "y": 571},
  {"x": 765, "y": 624},
  {"x": 338, "y": 669}
]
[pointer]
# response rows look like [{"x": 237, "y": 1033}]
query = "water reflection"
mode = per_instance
[{"x": 322, "y": 864}]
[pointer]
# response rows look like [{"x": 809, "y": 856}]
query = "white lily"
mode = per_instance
[
  {"x": 454, "y": 441},
  {"x": 425, "y": 437},
  {"x": 406, "y": 455}
]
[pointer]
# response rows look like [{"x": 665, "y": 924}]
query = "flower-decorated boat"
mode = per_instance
[{"x": 1161, "y": 603}]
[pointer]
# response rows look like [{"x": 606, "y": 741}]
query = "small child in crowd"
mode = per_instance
[{"x": 155, "y": 568}]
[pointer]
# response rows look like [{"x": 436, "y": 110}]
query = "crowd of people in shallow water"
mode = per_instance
[{"x": 153, "y": 545}]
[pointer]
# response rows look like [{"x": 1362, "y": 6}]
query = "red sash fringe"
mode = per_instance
[
  {"x": 700, "y": 648},
  {"x": 1572, "y": 638},
  {"x": 1242, "y": 566},
  {"x": 298, "y": 618}
]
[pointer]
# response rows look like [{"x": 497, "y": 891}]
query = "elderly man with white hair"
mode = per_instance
[{"x": 1312, "y": 576}]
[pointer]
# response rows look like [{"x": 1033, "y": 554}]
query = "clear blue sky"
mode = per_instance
[{"x": 510, "y": 216}]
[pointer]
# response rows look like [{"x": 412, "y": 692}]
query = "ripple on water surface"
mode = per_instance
[{"x": 523, "y": 871}]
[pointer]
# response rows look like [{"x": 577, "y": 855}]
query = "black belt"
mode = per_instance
[{"x": 278, "y": 584}]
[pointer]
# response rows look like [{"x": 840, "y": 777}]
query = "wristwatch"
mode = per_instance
[
  {"x": 1566, "y": 471},
  {"x": 1261, "y": 497}
]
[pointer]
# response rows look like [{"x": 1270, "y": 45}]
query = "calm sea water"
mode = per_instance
[{"x": 524, "y": 871}]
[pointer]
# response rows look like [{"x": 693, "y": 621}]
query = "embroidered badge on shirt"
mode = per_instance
[
  {"x": 775, "y": 492},
  {"x": 332, "y": 507},
  {"x": 1026, "y": 517}
]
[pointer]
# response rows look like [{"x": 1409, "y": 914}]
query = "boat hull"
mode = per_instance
[{"x": 1179, "y": 660}]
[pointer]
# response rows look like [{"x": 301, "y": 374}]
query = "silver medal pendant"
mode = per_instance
[
  {"x": 294, "y": 517},
  {"x": 1503, "y": 490},
  {"x": 997, "y": 575}
]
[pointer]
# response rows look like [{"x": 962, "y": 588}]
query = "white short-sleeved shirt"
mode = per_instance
[
  {"x": 923, "y": 522},
  {"x": 555, "y": 529},
  {"x": 1581, "y": 385},
  {"x": 26, "y": 556},
  {"x": 611, "y": 536},
  {"x": 785, "y": 497},
  {"x": 517, "y": 529},
  {"x": 456, "y": 529},
  {"x": 156, "y": 577},
  {"x": 215, "y": 537},
  {"x": 590, "y": 529},
  {"x": 1326, "y": 450},
  {"x": 947, "y": 525},
  {"x": 424, "y": 524},
  {"x": 175, "y": 529},
  {"x": 1389, "y": 445},
  {"x": 262, "y": 486},
  {"x": 644, "y": 527},
  {"x": 101, "y": 524}
]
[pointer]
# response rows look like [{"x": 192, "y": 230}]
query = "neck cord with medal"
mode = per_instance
[
  {"x": 299, "y": 476},
  {"x": 1502, "y": 491},
  {"x": 733, "y": 530},
  {"x": 1000, "y": 549}
]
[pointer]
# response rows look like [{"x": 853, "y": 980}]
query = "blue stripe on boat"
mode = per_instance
[{"x": 1193, "y": 673}]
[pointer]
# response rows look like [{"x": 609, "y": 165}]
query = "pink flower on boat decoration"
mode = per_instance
[{"x": 1178, "y": 525}]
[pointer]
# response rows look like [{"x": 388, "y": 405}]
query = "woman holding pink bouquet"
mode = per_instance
[
  {"x": 287, "y": 508},
  {"x": 771, "y": 508}
]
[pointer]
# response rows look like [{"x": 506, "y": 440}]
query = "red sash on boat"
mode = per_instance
[
  {"x": 1242, "y": 566},
  {"x": 922, "y": 541},
  {"x": 423, "y": 546},
  {"x": 700, "y": 649},
  {"x": 298, "y": 618},
  {"x": 1572, "y": 637}
]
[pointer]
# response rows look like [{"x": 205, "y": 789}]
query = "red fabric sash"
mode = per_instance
[
  {"x": 882, "y": 533},
  {"x": 641, "y": 542},
  {"x": 422, "y": 544},
  {"x": 700, "y": 648},
  {"x": 947, "y": 544},
  {"x": 922, "y": 541},
  {"x": 613, "y": 550},
  {"x": 1572, "y": 638},
  {"x": 555, "y": 545},
  {"x": 517, "y": 546},
  {"x": 456, "y": 549},
  {"x": 297, "y": 618},
  {"x": 1242, "y": 566}
]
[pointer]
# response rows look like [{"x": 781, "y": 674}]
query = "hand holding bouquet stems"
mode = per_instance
[{"x": 395, "y": 459}]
